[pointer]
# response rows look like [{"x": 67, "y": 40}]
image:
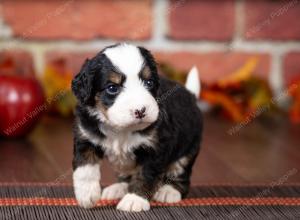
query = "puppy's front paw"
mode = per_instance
[
  {"x": 167, "y": 193},
  {"x": 133, "y": 203},
  {"x": 87, "y": 193},
  {"x": 86, "y": 185},
  {"x": 115, "y": 191}
]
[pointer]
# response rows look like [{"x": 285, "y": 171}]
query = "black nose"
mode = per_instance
[{"x": 139, "y": 114}]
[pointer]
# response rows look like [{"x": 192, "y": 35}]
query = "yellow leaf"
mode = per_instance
[{"x": 241, "y": 74}]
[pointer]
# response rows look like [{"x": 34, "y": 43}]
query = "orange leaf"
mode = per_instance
[
  {"x": 294, "y": 91},
  {"x": 226, "y": 102}
]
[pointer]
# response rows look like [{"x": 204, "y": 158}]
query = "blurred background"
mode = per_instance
[{"x": 247, "y": 52}]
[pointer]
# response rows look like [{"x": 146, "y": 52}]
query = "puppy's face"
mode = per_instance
[{"x": 124, "y": 82}]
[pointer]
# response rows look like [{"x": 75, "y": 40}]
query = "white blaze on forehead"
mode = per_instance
[{"x": 127, "y": 58}]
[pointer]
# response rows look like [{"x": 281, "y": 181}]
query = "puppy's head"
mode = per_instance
[{"x": 119, "y": 86}]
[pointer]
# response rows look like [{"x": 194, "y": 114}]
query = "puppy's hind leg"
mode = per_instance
[
  {"x": 116, "y": 190},
  {"x": 172, "y": 189},
  {"x": 176, "y": 182},
  {"x": 167, "y": 193}
]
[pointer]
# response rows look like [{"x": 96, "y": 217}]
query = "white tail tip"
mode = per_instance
[{"x": 193, "y": 83}]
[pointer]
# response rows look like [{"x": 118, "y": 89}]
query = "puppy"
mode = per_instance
[{"x": 148, "y": 127}]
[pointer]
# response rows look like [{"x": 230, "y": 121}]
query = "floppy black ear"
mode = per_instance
[{"x": 82, "y": 84}]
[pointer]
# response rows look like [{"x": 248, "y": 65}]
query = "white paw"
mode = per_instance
[
  {"x": 87, "y": 194},
  {"x": 167, "y": 193},
  {"x": 86, "y": 183},
  {"x": 115, "y": 191},
  {"x": 133, "y": 203}
]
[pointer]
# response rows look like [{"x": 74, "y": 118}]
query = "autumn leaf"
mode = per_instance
[
  {"x": 57, "y": 78},
  {"x": 233, "y": 109},
  {"x": 294, "y": 110},
  {"x": 242, "y": 74}
]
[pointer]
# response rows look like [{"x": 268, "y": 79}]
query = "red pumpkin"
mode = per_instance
[{"x": 21, "y": 104}]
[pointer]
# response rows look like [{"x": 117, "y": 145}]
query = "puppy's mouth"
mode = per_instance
[{"x": 138, "y": 125}]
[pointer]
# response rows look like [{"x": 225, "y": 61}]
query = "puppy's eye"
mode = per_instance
[
  {"x": 149, "y": 84},
  {"x": 112, "y": 89}
]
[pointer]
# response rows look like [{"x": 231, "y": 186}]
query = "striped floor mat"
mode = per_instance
[{"x": 51, "y": 201}]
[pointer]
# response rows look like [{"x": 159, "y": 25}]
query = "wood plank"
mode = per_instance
[{"x": 259, "y": 152}]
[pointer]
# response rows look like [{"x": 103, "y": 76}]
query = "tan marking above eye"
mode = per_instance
[
  {"x": 146, "y": 73},
  {"x": 115, "y": 78}
]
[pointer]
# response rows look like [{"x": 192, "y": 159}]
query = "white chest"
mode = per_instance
[{"x": 119, "y": 149}]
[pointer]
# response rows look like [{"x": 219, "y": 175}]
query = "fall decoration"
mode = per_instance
[
  {"x": 237, "y": 96},
  {"x": 16, "y": 63},
  {"x": 294, "y": 91},
  {"x": 57, "y": 83},
  {"x": 21, "y": 104},
  {"x": 22, "y": 100}
]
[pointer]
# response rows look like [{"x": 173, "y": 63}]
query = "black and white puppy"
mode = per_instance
[{"x": 148, "y": 127}]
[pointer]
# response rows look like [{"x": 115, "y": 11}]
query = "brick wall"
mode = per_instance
[{"x": 217, "y": 36}]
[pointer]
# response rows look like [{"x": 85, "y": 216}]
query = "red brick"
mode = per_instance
[
  {"x": 205, "y": 20},
  {"x": 16, "y": 63},
  {"x": 72, "y": 60},
  {"x": 291, "y": 67},
  {"x": 277, "y": 20},
  {"x": 212, "y": 66},
  {"x": 215, "y": 65},
  {"x": 80, "y": 20}
]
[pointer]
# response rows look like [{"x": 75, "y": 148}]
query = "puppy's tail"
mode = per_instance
[{"x": 193, "y": 82}]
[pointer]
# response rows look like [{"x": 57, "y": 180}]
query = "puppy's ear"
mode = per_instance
[{"x": 82, "y": 84}]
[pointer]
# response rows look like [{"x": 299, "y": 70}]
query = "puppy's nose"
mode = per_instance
[{"x": 140, "y": 113}]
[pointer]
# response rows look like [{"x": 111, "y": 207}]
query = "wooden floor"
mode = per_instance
[{"x": 257, "y": 153}]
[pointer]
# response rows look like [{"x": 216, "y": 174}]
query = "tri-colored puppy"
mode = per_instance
[{"x": 148, "y": 127}]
